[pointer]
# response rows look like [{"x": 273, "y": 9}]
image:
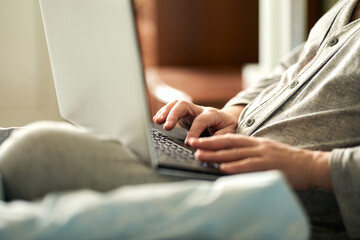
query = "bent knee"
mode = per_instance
[
  {"x": 33, "y": 136},
  {"x": 32, "y": 143},
  {"x": 31, "y": 154}
]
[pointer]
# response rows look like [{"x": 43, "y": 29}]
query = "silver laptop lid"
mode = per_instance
[{"x": 97, "y": 68}]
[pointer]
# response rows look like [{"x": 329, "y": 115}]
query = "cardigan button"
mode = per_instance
[
  {"x": 333, "y": 41},
  {"x": 250, "y": 122},
  {"x": 294, "y": 84}
]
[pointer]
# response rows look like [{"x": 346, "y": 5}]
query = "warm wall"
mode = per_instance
[
  {"x": 205, "y": 33},
  {"x": 26, "y": 88}
]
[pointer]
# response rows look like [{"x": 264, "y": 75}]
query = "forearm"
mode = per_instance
[{"x": 320, "y": 175}]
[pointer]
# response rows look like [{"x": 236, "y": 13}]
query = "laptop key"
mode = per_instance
[{"x": 165, "y": 146}]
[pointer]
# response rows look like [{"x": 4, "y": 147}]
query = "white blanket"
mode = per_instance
[{"x": 248, "y": 206}]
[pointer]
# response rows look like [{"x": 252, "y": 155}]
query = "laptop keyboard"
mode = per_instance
[{"x": 165, "y": 145}]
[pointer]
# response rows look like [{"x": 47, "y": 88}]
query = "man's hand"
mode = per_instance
[
  {"x": 240, "y": 154},
  {"x": 197, "y": 119}
]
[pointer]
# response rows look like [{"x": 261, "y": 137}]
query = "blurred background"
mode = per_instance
[{"x": 196, "y": 46}]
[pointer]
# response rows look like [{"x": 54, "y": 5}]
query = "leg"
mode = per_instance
[{"x": 50, "y": 157}]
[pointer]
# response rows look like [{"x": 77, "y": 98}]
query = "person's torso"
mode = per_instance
[{"x": 316, "y": 105}]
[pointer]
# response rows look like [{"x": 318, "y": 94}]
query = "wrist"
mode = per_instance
[
  {"x": 234, "y": 110},
  {"x": 320, "y": 172}
]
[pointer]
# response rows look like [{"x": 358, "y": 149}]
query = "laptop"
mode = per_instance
[{"x": 99, "y": 80}]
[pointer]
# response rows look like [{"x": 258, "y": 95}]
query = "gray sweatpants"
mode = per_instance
[{"x": 46, "y": 157}]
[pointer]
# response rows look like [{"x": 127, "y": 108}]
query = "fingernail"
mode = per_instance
[
  {"x": 189, "y": 140},
  {"x": 223, "y": 166},
  {"x": 168, "y": 124},
  {"x": 196, "y": 155}
]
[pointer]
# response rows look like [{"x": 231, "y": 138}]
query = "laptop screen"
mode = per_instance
[{"x": 97, "y": 68}]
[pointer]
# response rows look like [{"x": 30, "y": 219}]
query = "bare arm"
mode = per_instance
[{"x": 241, "y": 154}]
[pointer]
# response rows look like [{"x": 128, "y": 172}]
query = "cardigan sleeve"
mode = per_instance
[
  {"x": 345, "y": 177},
  {"x": 247, "y": 95}
]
